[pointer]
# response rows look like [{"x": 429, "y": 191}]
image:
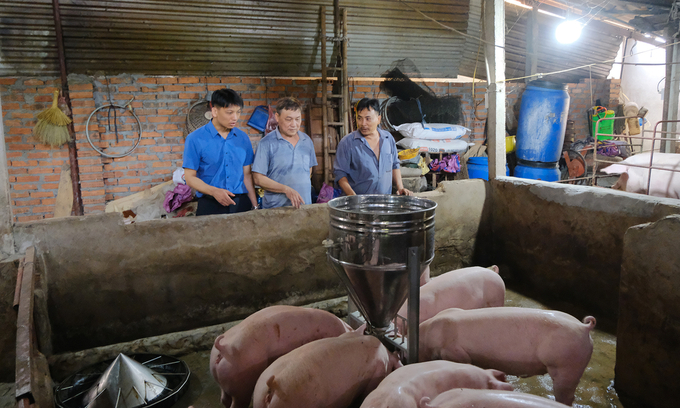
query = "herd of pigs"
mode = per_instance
[{"x": 287, "y": 356}]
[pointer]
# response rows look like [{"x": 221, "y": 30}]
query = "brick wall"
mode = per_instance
[{"x": 161, "y": 103}]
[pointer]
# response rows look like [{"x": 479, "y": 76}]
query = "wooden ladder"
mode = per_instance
[{"x": 335, "y": 106}]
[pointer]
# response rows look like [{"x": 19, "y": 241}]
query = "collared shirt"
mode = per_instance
[
  {"x": 356, "y": 160},
  {"x": 277, "y": 159},
  {"x": 218, "y": 161}
]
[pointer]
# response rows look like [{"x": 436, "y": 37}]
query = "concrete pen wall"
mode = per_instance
[{"x": 109, "y": 282}]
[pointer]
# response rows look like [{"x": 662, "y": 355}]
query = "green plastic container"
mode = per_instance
[{"x": 606, "y": 129}]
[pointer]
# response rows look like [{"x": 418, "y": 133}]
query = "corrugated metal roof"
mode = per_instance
[
  {"x": 598, "y": 43},
  {"x": 234, "y": 37}
]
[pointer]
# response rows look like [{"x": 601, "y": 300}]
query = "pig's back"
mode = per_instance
[{"x": 465, "y": 398}]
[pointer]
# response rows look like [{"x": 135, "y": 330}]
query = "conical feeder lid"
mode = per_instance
[
  {"x": 378, "y": 291},
  {"x": 125, "y": 384}
]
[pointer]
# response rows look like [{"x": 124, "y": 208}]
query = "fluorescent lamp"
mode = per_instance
[
  {"x": 520, "y": 4},
  {"x": 568, "y": 31}
]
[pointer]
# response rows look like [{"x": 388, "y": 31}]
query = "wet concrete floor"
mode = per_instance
[{"x": 594, "y": 391}]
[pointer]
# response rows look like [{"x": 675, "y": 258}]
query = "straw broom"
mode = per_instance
[{"x": 52, "y": 126}]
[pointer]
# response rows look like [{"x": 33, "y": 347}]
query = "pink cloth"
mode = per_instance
[
  {"x": 449, "y": 164},
  {"x": 175, "y": 198},
  {"x": 272, "y": 124}
]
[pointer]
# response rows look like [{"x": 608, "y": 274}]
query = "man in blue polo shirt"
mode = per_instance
[
  {"x": 284, "y": 160},
  {"x": 366, "y": 160},
  {"x": 217, "y": 159}
]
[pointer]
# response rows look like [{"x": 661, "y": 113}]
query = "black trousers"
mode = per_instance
[{"x": 207, "y": 205}]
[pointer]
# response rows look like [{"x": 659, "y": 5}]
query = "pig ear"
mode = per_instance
[
  {"x": 224, "y": 348},
  {"x": 494, "y": 268},
  {"x": 396, "y": 361},
  {"x": 621, "y": 183},
  {"x": 361, "y": 329},
  {"x": 615, "y": 169},
  {"x": 499, "y": 375},
  {"x": 348, "y": 328}
]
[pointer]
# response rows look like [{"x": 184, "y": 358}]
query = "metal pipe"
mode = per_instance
[
  {"x": 413, "y": 265},
  {"x": 77, "y": 208},
  {"x": 623, "y": 58}
]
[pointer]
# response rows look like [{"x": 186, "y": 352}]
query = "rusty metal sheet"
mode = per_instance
[
  {"x": 598, "y": 43},
  {"x": 232, "y": 37},
  {"x": 25, "y": 344}
]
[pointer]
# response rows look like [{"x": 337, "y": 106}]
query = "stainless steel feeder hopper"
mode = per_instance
[{"x": 380, "y": 245}]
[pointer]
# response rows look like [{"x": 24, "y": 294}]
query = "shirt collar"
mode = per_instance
[
  {"x": 381, "y": 133},
  {"x": 213, "y": 131},
  {"x": 280, "y": 136}
]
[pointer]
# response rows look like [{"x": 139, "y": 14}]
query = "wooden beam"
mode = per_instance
[
  {"x": 494, "y": 53},
  {"x": 17, "y": 289},
  {"x": 25, "y": 345},
  {"x": 64, "y": 205}
]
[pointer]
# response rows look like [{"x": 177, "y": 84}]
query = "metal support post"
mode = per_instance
[{"x": 413, "y": 266}]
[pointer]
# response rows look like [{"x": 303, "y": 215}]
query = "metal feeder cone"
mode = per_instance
[{"x": 125, "y": 384}]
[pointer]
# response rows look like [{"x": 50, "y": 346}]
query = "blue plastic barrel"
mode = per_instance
[
  {"x": 478, "y": 167},
  {"x": 542, "y": 121},
  {"x": 545, "y": 173}
]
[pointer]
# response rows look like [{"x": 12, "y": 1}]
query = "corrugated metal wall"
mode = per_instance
[
  {"x": 276, "y": 38},
  {"x": 597, "y": 43}
]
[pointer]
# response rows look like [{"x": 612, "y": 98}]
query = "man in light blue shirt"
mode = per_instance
[
  {"x": 366, "y": 160},
  {"x": 217, "y": 159},
  {"x": 284, "y": 160}
]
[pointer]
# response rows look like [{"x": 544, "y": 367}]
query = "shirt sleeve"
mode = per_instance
[
  {"x": 342, "y": 160},
  {"x": 192, "y": 158},
  {"x": 312, "y": 160},
  {"x": 395, "y": 154},
  {"x": 249, "y": 151},
  {"x": 261, "y": 161}
]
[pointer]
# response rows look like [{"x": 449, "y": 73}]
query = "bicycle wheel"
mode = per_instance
[{"x": 125, "y": 132}]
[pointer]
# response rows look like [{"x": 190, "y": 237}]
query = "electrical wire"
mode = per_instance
[{"x": 450, "y": 28}]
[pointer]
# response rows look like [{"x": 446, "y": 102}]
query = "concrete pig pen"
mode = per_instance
[{"x": 103, "y": 282}]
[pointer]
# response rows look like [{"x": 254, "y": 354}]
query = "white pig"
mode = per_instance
[
  {"x": 517, "y": 341},
  {"x": 329, "y": 373},
  {"x": 405, "y": 387},
  {"x": 466, "y": 398},
  {"x": 241, "y": 354},
  {"x": 634, "y": 179},
  {"x": 467, "y": 288}
]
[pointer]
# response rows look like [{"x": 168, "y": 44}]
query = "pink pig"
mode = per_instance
[
  {"x": 467, "y": 288},
  {"x": 241, "y": 354},
  {"x": 518, "y": 341},
  {"x": 329, "y": 373},
  {"x": 634, "y": 179},
  {"x": 405, "y": 387},
  {"x": 465, "y": 398}
]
